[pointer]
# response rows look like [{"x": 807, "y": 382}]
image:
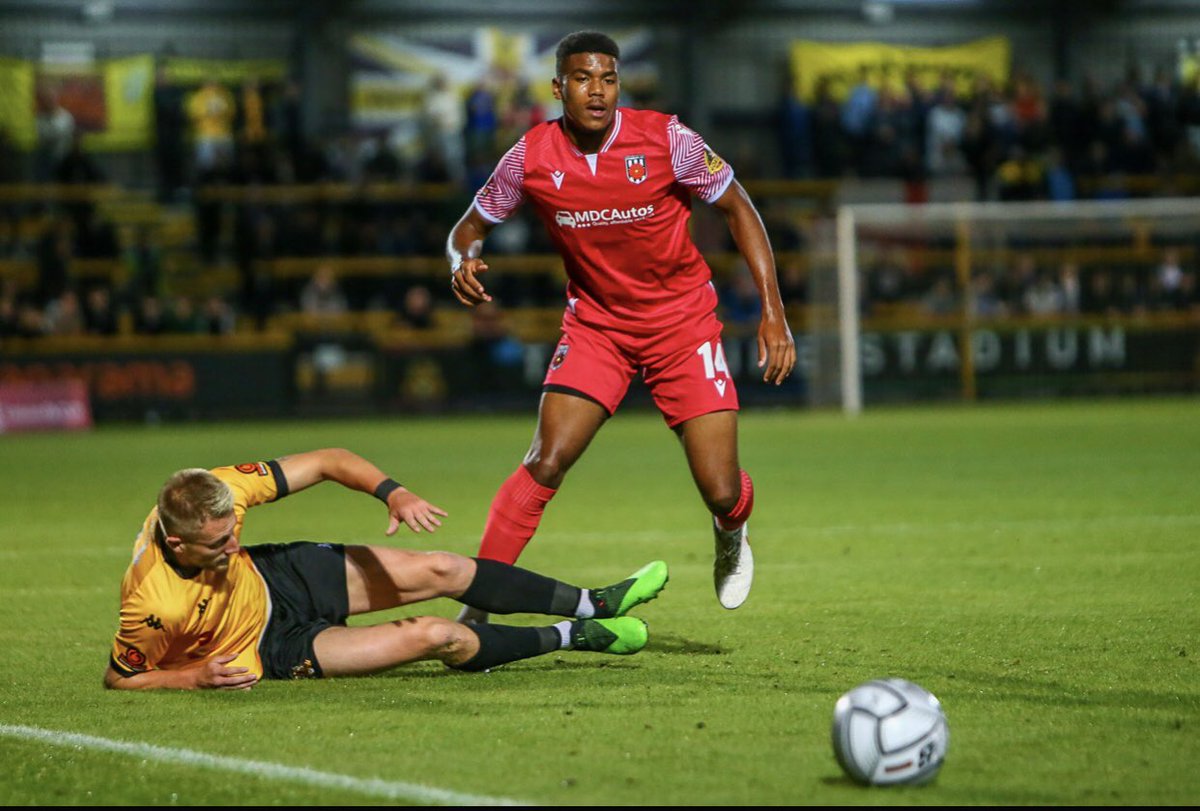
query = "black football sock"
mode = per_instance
[
  {"x": 500, "y": 644},
  {"x": 502, "y": 589}
]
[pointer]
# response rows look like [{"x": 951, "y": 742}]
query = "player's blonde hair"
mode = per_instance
[{"x": 191, "y": 497}]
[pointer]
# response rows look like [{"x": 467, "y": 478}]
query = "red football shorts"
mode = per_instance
[{"x": 684, "y": 368}]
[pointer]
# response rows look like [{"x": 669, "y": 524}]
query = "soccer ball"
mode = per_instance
[{"x": 889, "y": 732}]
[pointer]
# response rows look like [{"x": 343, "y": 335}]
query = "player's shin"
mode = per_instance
[
  {"x": 514, "y": 516},
  {"x": 499, "y": 588},
  {"x": 500, "y": 644}
]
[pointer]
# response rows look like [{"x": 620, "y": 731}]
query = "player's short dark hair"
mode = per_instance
[{"x": 584, "y": 42}]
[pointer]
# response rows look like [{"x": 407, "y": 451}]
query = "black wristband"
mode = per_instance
[{"x": 385, "y": 488}]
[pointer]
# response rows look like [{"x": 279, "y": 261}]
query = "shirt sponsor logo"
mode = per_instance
[
  {"x": 253, "y": 467},
  {"x": 603, "y": 216},
  {"x": 635, "y": 168}
]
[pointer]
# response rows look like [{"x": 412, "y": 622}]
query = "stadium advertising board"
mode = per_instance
[{"x": 149, "y": 384}]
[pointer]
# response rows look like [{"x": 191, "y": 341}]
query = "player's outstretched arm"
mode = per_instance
[
  {"x": 776, "y": 347},
  {"x": 352, "y": 471},
  {"x": 215, "y": 674},
  {"x": 463, "y": 249}
]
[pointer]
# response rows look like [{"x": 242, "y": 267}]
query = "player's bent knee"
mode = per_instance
[
  {"x": 449, "y": 574},
  {"x": 446, "y": 640},
  {"x": 548, "y": 469},
  {"x": 722, "y": 501}
]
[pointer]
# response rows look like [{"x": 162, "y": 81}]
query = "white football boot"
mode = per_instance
[
  {"x": 472, "y": 616},
  {"x": 733, "y": 566}
]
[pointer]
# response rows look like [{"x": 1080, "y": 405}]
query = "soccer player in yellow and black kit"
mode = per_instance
[{"x": 199, "y": 610}]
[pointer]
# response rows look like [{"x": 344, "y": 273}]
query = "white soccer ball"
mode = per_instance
[{"x": 890, "y": 732}]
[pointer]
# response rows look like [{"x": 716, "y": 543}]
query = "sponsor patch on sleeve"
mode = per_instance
[
  {"x": 133, "y": 659},
  {"x": 250, "y": 468},
  {"x": 713, "y": 161}
]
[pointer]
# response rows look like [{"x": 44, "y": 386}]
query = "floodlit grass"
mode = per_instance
[{"x": 1035, "y": 566}]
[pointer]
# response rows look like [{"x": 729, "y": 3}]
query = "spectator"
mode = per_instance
[
  {"x": 985, "y": 303},
  {"x": 381, "y": 165},
  {"x": 170, "y": 124},
  {"x": 740, "y": 301},
  {"x": 481, "y": 122},
  {"x": 1168, "y": 289},
  {"x": 63, "y": 315},
  {"x": 56, "y": 249},
  {"x": 1020, "y": 176},
  {"x": 150, "y": 317},
  {"x": 1071, "y": 287},
  {"x": 218, "y": 317},
  {"x": 99, "y": 312},
  {"x": 496, "y": 355},
  {"x": 211, "y": 110},
  {"x": 829, "y": 146},
  {"x": 857, "y": 116},
  {"x": 941, "y": 299},
  {"x": 795, "y": 132},
  {"x": 1060, "y": 184},
  {"x": 417, "y": 309},
  {"x": 980, "y": 149},
  {"x": 1043, "y": 297},
  {"x": 286, "y": 116},
  {"x": 251, "y": 117},
  {"x": 945, "y": 126},
  {"x": 183, "y": 317},
  {"x": 322, "y": 296},
  {"x": 55, "y": 134},
  {"x": 1065, "y": 124},
  {"x": 445, "y": 117}
]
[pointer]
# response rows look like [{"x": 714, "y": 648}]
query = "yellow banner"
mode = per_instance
[
  {"x": 840, "y": 65},
  {"x": 129, "y": 103},
  {"x": 16, "y": 102}
]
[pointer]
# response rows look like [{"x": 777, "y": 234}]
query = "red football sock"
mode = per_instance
[
  {"x": 514, "y": 517},
  {"x": 745, "y": 505}
]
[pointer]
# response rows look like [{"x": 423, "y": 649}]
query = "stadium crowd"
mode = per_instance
[{"x": 1023, "y": 141}]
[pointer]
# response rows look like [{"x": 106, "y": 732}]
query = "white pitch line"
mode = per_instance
[{"x": 387, "y": 789}]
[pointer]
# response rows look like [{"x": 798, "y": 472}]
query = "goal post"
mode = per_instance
[{"x": 1007, "y": 299}]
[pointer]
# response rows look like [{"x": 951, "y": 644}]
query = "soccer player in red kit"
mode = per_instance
[{"x": 613, "y": 187}]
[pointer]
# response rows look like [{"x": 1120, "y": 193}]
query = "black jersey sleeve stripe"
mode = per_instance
[{"x": 281, "y": 485}]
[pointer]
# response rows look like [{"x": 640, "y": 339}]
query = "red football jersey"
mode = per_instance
[{"x": 619, "y": 217}]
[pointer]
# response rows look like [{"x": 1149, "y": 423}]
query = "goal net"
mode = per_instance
[{"x": 1004, "y": 300}]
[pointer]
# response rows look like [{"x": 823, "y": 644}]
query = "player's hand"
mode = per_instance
[
  {"x": 465, "y": 282},
  {"x": 776, "y": 349},
  {"x": 215, "y": 675},
  {"x": 412, "y": 510}
]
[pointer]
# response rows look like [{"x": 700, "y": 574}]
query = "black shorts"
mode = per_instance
[{"x": 307, "y": 583}]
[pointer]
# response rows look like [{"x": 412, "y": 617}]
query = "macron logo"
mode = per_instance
[
  {"x": 557, "y": 177},
  {"x": 720, "y": 384},
  {"x": 603, "y": 216}
]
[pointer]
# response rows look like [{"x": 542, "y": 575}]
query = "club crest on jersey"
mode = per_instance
[
  {"x": 635, "y": 168},
  {"x": 559, "y": 356}
]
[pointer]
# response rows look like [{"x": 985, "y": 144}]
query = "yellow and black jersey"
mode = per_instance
[{"x": 169, "y": 621}]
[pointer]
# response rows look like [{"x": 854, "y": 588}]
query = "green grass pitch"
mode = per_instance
[{"x": 1036, "y": 566}]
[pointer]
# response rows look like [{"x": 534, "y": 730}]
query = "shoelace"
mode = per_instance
[{"x": 729, "y": 553}]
